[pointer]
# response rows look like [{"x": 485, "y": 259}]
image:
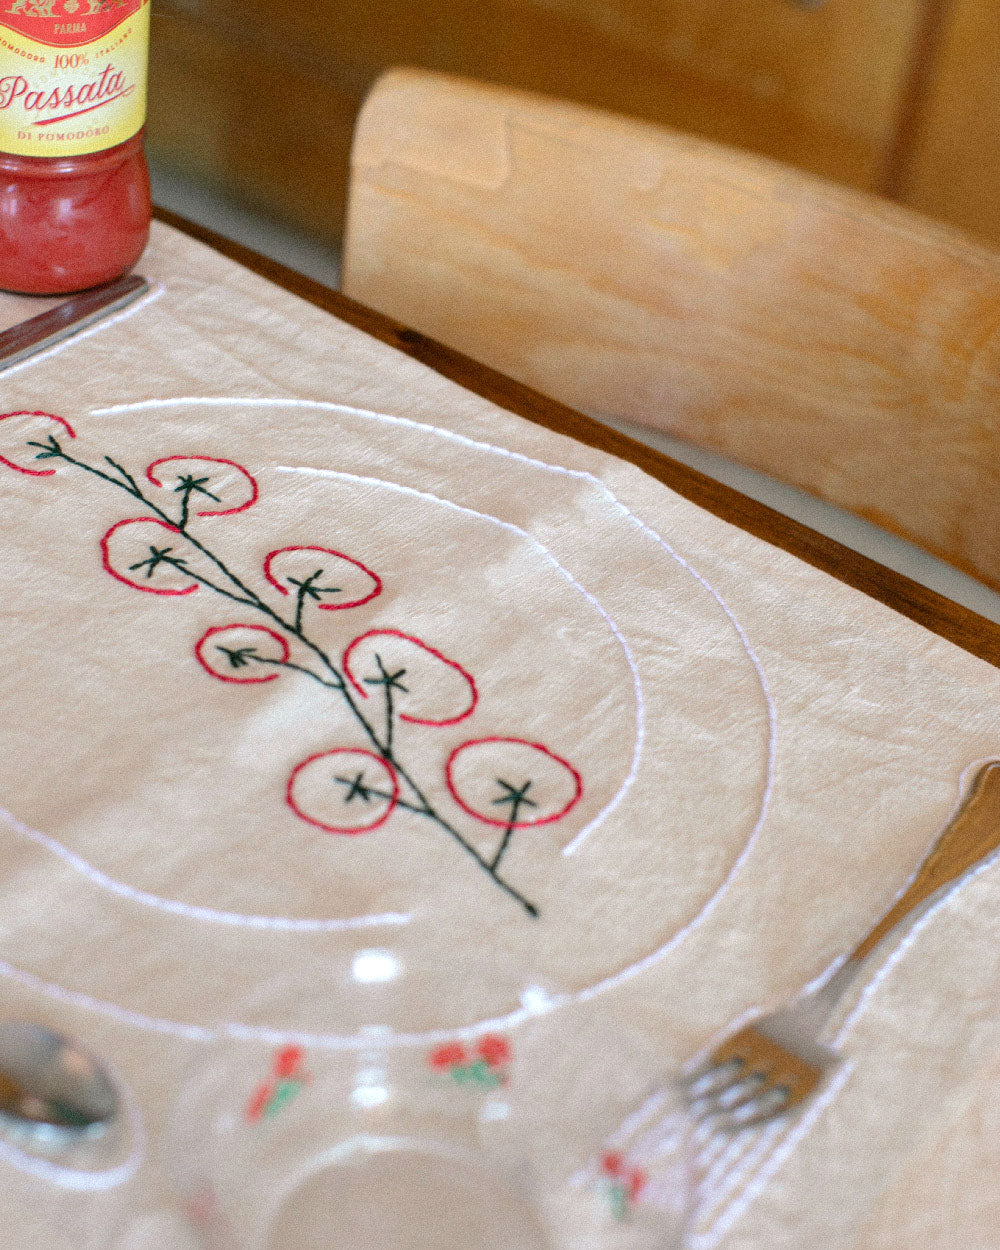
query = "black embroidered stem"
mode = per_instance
[
  {"x": 52, "y": 450},
  {"x": 187, "y": 485},
  {"x": 382, "y": 794},
  {"x": 182, "y": 567},
  {"x": 298, "y": 668},
  {"x": 389, "y": 682},
  {"x": 185, "y": 507},
  {"x": 508, "y": 834},
  {"x": 300, "y": 606},
  {"x": 515, "y": 797},
  {"x": 309, "y": 590}
]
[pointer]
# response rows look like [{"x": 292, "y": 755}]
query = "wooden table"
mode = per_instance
[
  {"x": 735, "y": 870},
  {"x": 949, "y": 620}
]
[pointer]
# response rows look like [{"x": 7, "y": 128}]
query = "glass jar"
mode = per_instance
[{"x": 74, "y": 185}]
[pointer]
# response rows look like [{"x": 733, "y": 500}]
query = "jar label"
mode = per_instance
[{"x": 72, "y": 75}]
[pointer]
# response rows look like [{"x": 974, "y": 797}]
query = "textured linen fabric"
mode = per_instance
[{"x": 752, "y": 757}]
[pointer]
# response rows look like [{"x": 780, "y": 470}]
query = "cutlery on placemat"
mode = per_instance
[
  {"x": 768, "y": 1067},
  {"x": 68, "y": 319},
  {"x": 53, "y": 1092}
]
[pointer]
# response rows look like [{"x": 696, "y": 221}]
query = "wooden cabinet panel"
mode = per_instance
[
  {"x": 271, "y": 131},
  {"x": 954, "y": 168},
  {"x": 818, "y": 87}
]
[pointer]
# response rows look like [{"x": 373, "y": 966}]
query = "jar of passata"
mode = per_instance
[{"x": 74, "y": 186}]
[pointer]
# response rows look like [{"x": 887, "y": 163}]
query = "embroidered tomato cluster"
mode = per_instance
[
  {"x": 484, "y": 1066},
  {"x": 623, "y": 1183},
  {"x": 285, "y": 1082},
  {"x": 389, "y": 680}
]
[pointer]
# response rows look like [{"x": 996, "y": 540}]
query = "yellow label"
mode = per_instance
[{"x": 71, "y": 87}]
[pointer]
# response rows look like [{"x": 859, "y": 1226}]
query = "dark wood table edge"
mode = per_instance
[{"x": 941, "y": 616}]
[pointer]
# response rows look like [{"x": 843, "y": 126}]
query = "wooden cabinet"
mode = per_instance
[
  {"x": 954, "y": 168},
  {"x": 259, "y": 97},
  {"x": 233, "y": 107}
]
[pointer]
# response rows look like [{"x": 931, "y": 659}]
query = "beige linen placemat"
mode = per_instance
[{"x": 736, "y": 760}]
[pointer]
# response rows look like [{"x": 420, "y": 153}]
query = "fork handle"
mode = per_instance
[{"x": 971, "y": 835}]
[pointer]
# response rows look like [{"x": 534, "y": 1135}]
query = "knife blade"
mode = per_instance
[{"x": 35, "y": 335}]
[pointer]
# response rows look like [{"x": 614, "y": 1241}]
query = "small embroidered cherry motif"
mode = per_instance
[
  {"x": 285, "y": 1083},
  {"x": 484, "y": 1067},
  {"x": 447, "y": 1057},
  {"x": 496, "y": 1051},
  {"x": 624, "y": 1183}
]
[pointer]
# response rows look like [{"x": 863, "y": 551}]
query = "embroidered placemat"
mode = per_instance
[{"x": 248, "y": 554}]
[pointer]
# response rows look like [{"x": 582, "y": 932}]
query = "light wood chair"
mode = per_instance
[{"x": 831, "y": 340}]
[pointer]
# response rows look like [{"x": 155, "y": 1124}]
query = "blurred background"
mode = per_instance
[
  {"x": 253, "y": 104},
  {"x": 253, "y": 101}
]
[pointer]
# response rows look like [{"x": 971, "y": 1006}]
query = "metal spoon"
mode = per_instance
[{"x": 54, "y": 1094}]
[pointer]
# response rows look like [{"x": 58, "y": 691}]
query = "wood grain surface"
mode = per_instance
[
  {"x": 834, "y": 341},
  {"x": 259, "y": 99},
  {"x": 954, "y": 169},
  {"x": 949, "y": 620}
]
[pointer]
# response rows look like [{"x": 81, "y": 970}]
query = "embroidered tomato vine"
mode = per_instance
[
  {"x": 624, "y": 1183},
  {"x": 285, "y": 1082},
  {"x": 388, "y": 679},
  {"x": 485, "y": 1066}
]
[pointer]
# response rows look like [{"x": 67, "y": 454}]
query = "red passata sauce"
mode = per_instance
[{"x": 74, "y": 186}]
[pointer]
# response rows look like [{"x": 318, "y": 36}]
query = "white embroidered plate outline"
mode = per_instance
[{"x": 338, "y": 1042}]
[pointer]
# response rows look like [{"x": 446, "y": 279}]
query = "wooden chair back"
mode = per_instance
[{"x": 834, "y": 341}]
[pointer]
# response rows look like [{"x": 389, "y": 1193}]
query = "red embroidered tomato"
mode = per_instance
[
  {"x": 450, "y": 1055},
  {"x": 495, "y": 1050},
  {"x": 329, "y": 579},
  {"x": 343, "y": 791},
  {"x": 243, "y": 654},
  {"x": 426, "y": 687},
  {"x": 29, "y": 441},
  {"x": 258, "y": 1103},
  {"x": 204, "y": 485},
  {"x": 637, "y": 1182},
  {"x": 288, "y": 1061},
  {"x": 511, "y": 783},
  {"x": 149, "y": 555}
]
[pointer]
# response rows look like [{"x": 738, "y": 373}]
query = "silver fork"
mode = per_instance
[{"x": 768, "y": 1067}]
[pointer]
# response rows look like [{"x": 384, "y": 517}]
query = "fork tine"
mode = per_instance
[
  {"x": 768, "y": 1106},
  {"x": 714, "y": 1077},
  {"x": 717, "y": 1124},
  {"x": 761, "y": 1053},
  {"x": 749, "y": 1079},
  {"x": 725, "y": 1097},
  {"x": 746, "y": 1090}
]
